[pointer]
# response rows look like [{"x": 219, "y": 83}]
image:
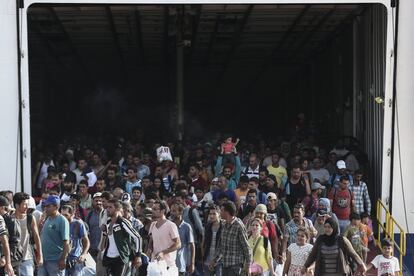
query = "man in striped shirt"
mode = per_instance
[
  {"x": 361, "y": 195},
  {"x": 233, "y": 249}
]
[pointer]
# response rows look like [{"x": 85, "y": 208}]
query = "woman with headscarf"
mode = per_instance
[
  {"x": 325, "y": 204},
  {"x": 331, "y": 253}
]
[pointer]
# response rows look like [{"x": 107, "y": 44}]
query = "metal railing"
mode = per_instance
[{"x": 386, "y": 226}]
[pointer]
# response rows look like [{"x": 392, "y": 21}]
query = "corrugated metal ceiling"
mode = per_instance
[{"x": 220, "y": 36}]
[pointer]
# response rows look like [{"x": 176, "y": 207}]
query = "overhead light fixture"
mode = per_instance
[{"x": 379, "y": 100}]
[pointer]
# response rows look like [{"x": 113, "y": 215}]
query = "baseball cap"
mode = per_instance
[
  {"x": 147, "y": 213},
  {"x": 322, "y": 213},
  {"x": 98, "y": 194},
  {"x": 4, "y": 201},
  {"x": 317, "y": 185},
  {"x": 341, "y": 164},
  {"x": 32, "y": 203},
  {"x": 215, "y": 179},
  {"x": 52, "y": 200},
  {"x": 261, "y": 208},
  {"x": 271, "y": 196}
]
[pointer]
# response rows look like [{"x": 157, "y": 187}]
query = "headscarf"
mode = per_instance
[
  {"x": 325, "y": 202},
  {"x": 329, "y": 240}
]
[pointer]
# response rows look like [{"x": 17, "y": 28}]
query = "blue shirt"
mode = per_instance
[
  {"x": 234, "y": 179},
  {"x": 94, "y": 230},
  {"x": 130, "y": 185},
  {"x": 54, "y": 232},
  {"x": 184, "y": 254},
  {"x": 77, "y": 232},
  {"x": 229, "y": 193}
]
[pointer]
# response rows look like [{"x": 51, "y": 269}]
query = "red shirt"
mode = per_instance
[
  {"x": 342, "y": 203},
  {"x": 200, "y": 183}
]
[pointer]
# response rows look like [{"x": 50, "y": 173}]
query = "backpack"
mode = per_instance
[
  {"x": 260, "y": 196},
  {"x": 198, "y": 236},
  {"x": 272, "y": 218},
  {"x": 333, "y": 177}
]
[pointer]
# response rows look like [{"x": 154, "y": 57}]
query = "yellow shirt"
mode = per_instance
[
  {"x": 279, "y": 172},
  {"x": 260, "y": 254},
  {"x": 241, "y": 195}
]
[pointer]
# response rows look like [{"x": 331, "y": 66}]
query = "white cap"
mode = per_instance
[
  {"x": 341, "y": 164},
  {"x": 32, "y": 203},
  {"x": 316, "y": 185}
]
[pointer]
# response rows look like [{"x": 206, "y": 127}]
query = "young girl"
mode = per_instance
[
  {"x": 228, "y": 149},
  {"x": 261, "y": 249},
  {"x": 297, "y": 253},
  {"x": 228, "y": 145}
]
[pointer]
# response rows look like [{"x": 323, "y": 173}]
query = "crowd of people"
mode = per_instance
[{"x": 219, "y": 208}]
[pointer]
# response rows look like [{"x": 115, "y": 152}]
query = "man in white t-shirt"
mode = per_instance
[
  {"x": 164, "y": 237},
  {"x": 318, "y": 173},
  {"x": 385, "y": 263}
]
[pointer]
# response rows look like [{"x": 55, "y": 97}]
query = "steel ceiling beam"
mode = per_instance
[
  {"x": 196, "y": 23},
  {"x": 314, "y": 30},
  {"x": 67, "y": 37},
  {"x": 140, "y": 42},
  {"x": 268, "y": 61},
  {"x": 115, "y": 39},
  {"x": 34, "y": 24},
  {"x": 338, "y": 29},
  {"x": 166, "y": 27},
  {"x": 212, "y": 39},
  {"x": 236, "y": 39},
  {"x": 289, "y": 32}
]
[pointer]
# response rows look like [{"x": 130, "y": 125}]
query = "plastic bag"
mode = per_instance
[
  {"x": 164, "y": 154},
  {"x": 157, "y": 268}
]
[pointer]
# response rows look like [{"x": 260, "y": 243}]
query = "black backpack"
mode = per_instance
[{"x": 198, "y": 236}]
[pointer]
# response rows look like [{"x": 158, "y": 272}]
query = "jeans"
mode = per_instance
[
  {"x": 234, "y": 270},
  {"x": 343, "y": 224},
  {"x": 77, "y": 270},
  {"x": 217, "y": 270},
  {"x": 50, "y": 268},
  {"x": 27, "y": 268}
]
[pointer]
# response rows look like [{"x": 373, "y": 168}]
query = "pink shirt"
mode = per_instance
[
  {"x": 228, "y": 147},
  {"x": 162, "y": 238}
]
